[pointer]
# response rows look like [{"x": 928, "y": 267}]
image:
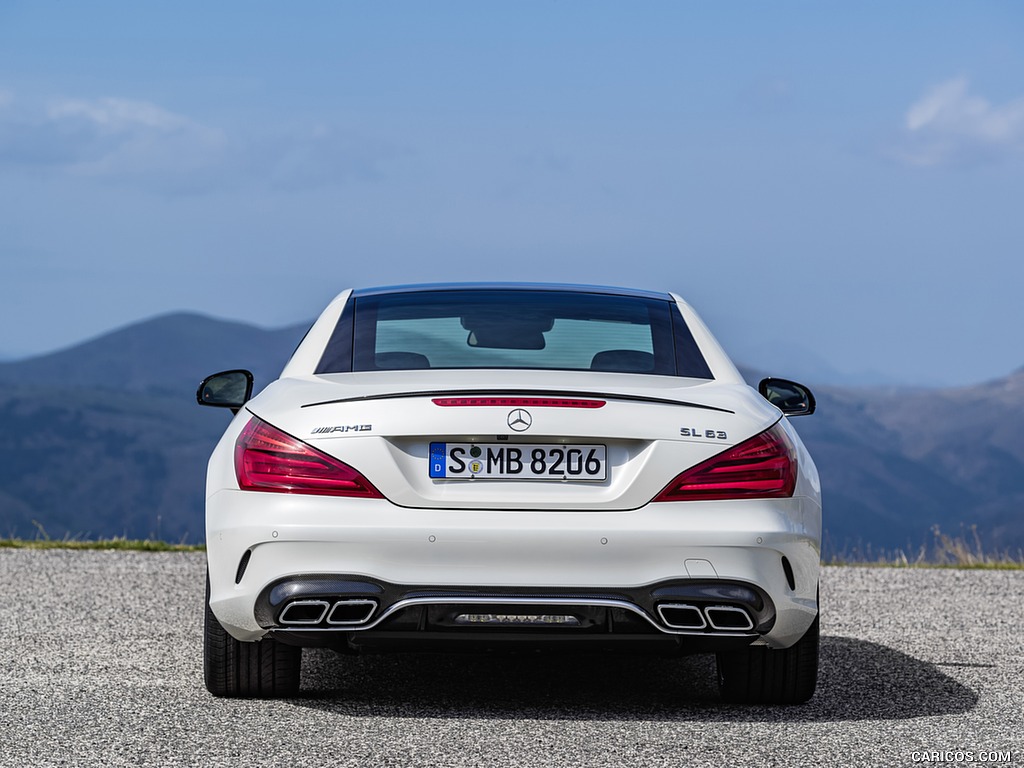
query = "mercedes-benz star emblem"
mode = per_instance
[{"x": 519, "y": 420}]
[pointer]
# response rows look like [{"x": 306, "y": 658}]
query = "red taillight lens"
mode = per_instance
[
  {"x": 518, "y": 402},
  {"x": 267, "y": 459},
  {"x": 763, "y": 467}
]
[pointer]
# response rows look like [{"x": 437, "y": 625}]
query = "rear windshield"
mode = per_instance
[{"x": 513, "y": 329}]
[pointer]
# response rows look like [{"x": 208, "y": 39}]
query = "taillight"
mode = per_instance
[
  {"x": 267, "y": 459},
  {"x": 763, "y": 467}
]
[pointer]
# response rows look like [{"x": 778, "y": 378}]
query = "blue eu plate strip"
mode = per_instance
[{"x": 438, "y": 459}]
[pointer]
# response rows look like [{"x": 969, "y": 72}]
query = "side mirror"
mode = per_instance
[
  {"x": 789, "y": 397},
  {"x": 227, "y": 389}
]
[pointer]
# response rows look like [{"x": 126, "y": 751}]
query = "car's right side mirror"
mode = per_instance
[
  {"x": 789, "y": 397},
  {"x": 227, "y": 389}
]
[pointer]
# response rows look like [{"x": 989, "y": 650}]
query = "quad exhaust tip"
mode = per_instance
[
  {"x": 680, "y": 616},
  {"x": 305, "y": 612},
  {"x": 721, "y": 618},
  {"x": 342, "y": 613},
  {"x": 728, "y": 618},
  {"x": 351, "y": 612}
]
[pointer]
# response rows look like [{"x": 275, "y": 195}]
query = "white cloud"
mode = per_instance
[
  {"x": 121, "y": 136},
  {"x": 320, "y": 155},
  {"x": 109, "y": 138},
  {"x": 769, "y": 96},
  {"x": 140, "y": 143},
  {"x": 949, "y": 124},
  {"x": 118, "y": 114}
]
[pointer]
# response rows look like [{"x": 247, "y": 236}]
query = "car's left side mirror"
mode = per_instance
[
  {"x": 789, "y": 397},
  {"x": 227, "y": 389}
]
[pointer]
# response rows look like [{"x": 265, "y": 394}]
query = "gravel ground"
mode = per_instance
[{"x": 100, "y": 664}]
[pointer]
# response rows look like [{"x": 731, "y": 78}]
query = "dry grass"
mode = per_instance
[
  {"x": 136, "y": 545},
  {"x": 944, "y": 551}
]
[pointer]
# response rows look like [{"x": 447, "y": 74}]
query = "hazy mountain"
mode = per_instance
[
  {"x": 105, "y": 438},
  {"x": 167, "y": 354}
]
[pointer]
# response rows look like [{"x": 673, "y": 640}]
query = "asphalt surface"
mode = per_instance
[{"x": 100, "y": 664}]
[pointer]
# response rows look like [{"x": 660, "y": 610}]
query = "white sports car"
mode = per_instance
[{"x": 510, "y": 466}]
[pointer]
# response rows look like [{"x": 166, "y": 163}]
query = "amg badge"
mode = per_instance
[{"x": 342, "y": 429}]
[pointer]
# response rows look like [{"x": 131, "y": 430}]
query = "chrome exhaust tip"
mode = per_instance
[
  {"x": 304, "y": 612},
  {"x": 681, "y": 616},
  {"x": 350, "y": 612},
  {"x": 728, "y": 618}
]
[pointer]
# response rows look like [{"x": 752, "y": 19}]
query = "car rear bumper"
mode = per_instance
[{"x": 434, "y": 564}]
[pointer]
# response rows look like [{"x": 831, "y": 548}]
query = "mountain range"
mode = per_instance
[{"x": 105, "y": 439}]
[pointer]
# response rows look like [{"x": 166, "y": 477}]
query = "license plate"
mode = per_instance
[{"x": 517, "y": 461}]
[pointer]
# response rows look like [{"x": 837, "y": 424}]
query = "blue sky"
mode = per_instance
[{"x": 835, "y": 187}]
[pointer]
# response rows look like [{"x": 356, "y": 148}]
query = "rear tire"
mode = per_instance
[
  {"x": 771, "y": 675},
  {"x": 264, "y": 669}
]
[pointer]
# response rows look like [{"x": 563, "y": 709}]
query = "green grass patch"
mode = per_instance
[{"x": 43, "y": 540}]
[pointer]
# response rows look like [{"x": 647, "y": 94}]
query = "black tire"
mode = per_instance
[
  {"x": 265, "y": 669},
  {"x": 770, "y": 675}
]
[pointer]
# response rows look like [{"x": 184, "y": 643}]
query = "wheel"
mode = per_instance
[
  {"x": 264, "y": 669},
  {"x": 770, "y": 675}
]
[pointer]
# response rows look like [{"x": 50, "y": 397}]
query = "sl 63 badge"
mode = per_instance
[{"x": 703, "y": 434}]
